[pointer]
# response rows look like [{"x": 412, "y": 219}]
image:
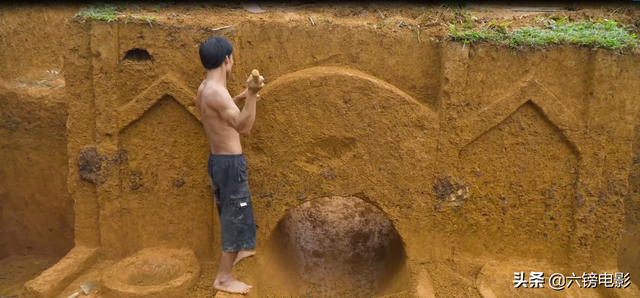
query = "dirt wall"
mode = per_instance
[
  {"x": 474, "y": 140},
  {"x": 473, "y": 152},
  {"x": 173, "y": 75},
  {"x": 628, "y": 252},
  {"x": 37, "y": 211},
  {"x": 596, "y": 117},
  {"x": 32, "y": 40}
]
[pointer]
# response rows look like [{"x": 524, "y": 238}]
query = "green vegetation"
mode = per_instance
[
  {"x": 100, "y": 11},
  {"x": 109, "y": 12},
  {"x": 606, "y": 34}
]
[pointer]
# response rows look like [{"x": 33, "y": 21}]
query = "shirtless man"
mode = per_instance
[{"x": 227, "y": 167}]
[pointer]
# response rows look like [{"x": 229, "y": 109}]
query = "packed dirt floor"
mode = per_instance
[
  {"x": 39, "y": 182},
  {"x": 15, "y": 270}
]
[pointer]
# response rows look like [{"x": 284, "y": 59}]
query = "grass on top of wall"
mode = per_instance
[{"x": 607, "y": 34}]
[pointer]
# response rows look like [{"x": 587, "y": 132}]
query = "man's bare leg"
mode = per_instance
[
  {"x": 224, "y": 281},
  {"x": 243, "y": 254}
]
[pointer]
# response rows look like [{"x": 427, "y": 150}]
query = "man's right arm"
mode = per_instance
[
  {"x": 240, "y": 97},
  {"x": 241, "y": 121}
]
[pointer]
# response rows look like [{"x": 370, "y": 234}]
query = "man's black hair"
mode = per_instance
[{"x": 213, "y": 52}]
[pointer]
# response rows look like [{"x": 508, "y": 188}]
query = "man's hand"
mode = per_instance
[{"x": 253, "y": 87}]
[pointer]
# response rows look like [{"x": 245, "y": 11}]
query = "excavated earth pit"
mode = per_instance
[
  {"x": 386, "y": 159},
  {"x": 338, "y": 247}
]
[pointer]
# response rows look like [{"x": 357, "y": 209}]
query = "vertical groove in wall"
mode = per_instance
[{"x": 78, "y": 71}]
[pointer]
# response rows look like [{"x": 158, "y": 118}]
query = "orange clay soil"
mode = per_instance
[
  {"x": 473, "y": 155},
  {"x": 36, "y": 211}
]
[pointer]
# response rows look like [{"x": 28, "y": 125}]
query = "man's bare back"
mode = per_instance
[
  {"x": 222, "y": 137},
  {"x": 222, "y": 119}
]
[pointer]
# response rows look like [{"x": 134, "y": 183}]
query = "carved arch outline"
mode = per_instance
[
  {"x": 341, "y": 71},
  {"x": 165, "y": 86},
  {"x": 528, "y": 90}
]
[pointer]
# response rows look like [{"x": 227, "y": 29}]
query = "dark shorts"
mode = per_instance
[{"x": 229, "y": 179}]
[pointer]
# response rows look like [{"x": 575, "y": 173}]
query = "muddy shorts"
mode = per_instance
[{"x": 229, "y": 179}]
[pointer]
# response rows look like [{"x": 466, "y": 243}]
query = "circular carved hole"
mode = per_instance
[{"x": 335, "y": 246}]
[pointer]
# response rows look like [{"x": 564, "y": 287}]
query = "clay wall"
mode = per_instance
[
  {"x": 628, "y": 252},
  {"x": 32, "y": 40},
  {"x": 472, "y": 152},
  {"x": 144, "y": 184},
  {"x": 36, "y": 212},
  {"x": 592, "y": 119},
  {"x": 474, "y": 148}
]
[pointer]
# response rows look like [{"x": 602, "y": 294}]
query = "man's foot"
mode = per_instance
[
  {"x": 232, "y": 286},
  {"x": 243, "y": 254}
]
